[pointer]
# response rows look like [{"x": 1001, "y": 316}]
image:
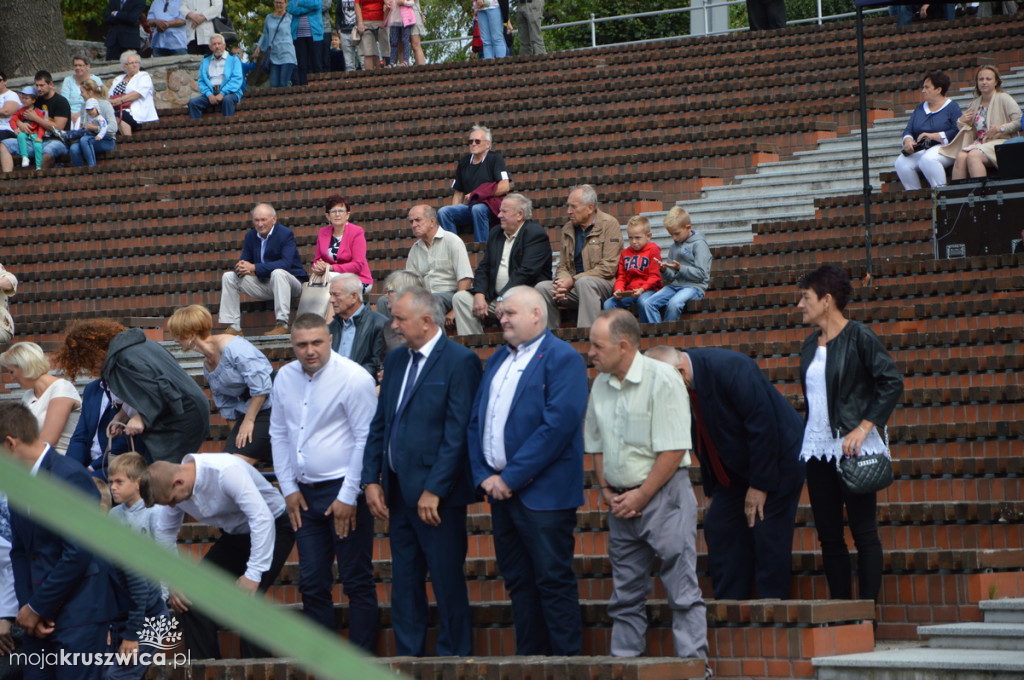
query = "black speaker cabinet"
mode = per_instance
[{"x": 978, "y": 218}]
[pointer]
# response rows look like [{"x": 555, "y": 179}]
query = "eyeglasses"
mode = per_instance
[
  {"x": 477, "y": 141},
  {"x": 337, "y": 211}
]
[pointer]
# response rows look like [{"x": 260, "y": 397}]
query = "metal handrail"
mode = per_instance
[{"x": 594, "y": 20}]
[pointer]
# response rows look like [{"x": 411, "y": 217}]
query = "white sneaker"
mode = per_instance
[{"x": 24, "y": 162}]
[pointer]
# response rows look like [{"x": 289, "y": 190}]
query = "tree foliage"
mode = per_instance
[
  {"x": 625, "y": 30},
  {"x": 83, "y": 19},
  {"x": 447, "y": 19}
]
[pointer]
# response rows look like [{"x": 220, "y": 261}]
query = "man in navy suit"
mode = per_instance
[
  {"x": 64, "y": 593},
  {"x": 270, "y": 269},
  {"x": 748, "y": 438},
  {"x": 122, "y": 17},
  {"x": 416, "y": 473},
  {"x": 89, "y": 442},
  {"x": 526, "y": 454}
]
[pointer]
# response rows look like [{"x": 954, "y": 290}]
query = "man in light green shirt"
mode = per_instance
[{"x": 638, "y": 427}]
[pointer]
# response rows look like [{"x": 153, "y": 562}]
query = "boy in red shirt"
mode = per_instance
[{"x": 639, "y": 273}]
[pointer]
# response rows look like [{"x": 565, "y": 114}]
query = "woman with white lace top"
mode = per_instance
[{"x": 851, "y": 385}]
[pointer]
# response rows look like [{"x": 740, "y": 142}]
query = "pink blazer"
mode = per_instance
[{"x": 351, "y": 253}]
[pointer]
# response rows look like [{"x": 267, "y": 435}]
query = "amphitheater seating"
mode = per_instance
[{"x": 153, "y": 227}]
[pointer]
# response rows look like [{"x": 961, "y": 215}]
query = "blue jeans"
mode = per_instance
[
  {"x": 492, "y": 32},
  {"x": 450, "y": 217},
  {"x": 672, "y": 298},
  {"x": 281, "y": 74},
  {"x": 54, "y": 147},
  {"x": 137, "y": 670},
  {"x": 84, "y": 152},
  {"x": 197, "y": 105},
  {"x": 318, "y": 545},
  {"x": 164, "y": 52},
  {"x": 617, "y": 303}
]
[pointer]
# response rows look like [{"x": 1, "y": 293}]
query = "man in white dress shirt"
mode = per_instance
[
  {"x": 324, "y": 405},
  {"x": 222, "y": 491}
]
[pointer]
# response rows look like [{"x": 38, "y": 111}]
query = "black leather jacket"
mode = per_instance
[{"x": 862, "y": 381}]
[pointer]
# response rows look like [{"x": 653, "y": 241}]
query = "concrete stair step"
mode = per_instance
[
  {"x": 921, "y": 663},
  {"x": 1007, "y": 610},
  {"x": 975, "y": 635}
]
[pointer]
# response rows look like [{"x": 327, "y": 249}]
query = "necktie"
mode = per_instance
[
  {"x": 410, "y": 381},
  {"x": 706, "y": 444}
]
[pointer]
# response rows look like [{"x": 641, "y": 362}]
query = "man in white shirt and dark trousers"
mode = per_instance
[
  {"x": 222, "y": 491},
  {"x": 322, "y": 413}
]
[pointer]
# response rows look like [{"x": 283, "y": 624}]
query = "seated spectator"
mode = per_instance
[
  {"x": 905, "y": 13},
  {"x": 89, "y": 443},
  {"x": 341, "y": 245},
  {"x": 639, "y": 272},
  {"x": 439, "y": 257},
  {"x": 71, "y": 88},
  {"x": 170, "y": 36},
  {"x": 122, "y": 18},
  {"x": 53, "y": 401},
  {"x": 374, "y": 41},
  {"x": 8, "y": 287},
  {"x": 277, "y": 39},
  {"x": 199, "y": 16},
  {"x": 29, "y": 132},
  {"x": 239, "y": 377},
  {"x": 97, "y": 133},
  {"x": 131, "y": 95},
  {"x": 394, "y": 285},
  {"x": 991, "y": 119},
  {"x": 480, "y": 180},
  {"x": 220, "y": 81},
  {"x": 517, "y": 254},
  {"x": 55, "y": 118},
  {"x": 9, "y": 103},
  {"x": 160, "y": 402},
  {"x": 356, "y": 330},
  {"x": 306, "y": 32},
  {"x": 932, "y": 125},
  {"x": 147, "y": 600},
  {"x": 270, "y": 269},
  {"x": 686, "y": 273},
  {"x": 591, "y": 246}
]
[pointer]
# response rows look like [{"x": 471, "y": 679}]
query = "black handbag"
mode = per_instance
[
  {"x": 224, "y": 26},
  {"x": 866, "y": 474}
]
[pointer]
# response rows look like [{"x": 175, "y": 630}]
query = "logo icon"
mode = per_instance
[{"x": 159, "y": 632}]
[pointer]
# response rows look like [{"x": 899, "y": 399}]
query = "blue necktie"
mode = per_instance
[{"x": 410, "y": 381}]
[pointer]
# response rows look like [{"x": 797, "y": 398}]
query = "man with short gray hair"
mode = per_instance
[
  {"x": 221, "y": 81},
  {"x": 356, "y": 330},
  {"x": 589, "y": 259},
  {"x": 481, "y": 179},
  {"x": 439, "y": 257},
  {"x": 517, "y": 254}
]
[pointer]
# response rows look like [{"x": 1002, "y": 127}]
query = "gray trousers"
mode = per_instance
[
  {"x": 281, "y": 288},
  {"x": 668, "y": 529},
  {"x": 587, "y": 295},
  {"x": 529, "y": 16},
  {"x": 465, "y": 322}
]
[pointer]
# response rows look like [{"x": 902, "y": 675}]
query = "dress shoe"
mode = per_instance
[{"x": 279, "y": 329}]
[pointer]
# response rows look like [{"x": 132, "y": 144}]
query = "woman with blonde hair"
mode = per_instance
[
  {"x": 239, "y": 376},
  {"x": 53, "y": 401},
  {"x": 991, "y": 119}
]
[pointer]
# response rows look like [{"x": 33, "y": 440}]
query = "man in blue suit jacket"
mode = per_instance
[
  {"x": 64, "y": 593},
  {"x": 526, "y": 453},
  {"x": 89, "y": 442},
  {"x": 221, "y": 81},
  {"x": 416, "y": 473},
  {"x": 748, "y": 438},
  {"x": 270, "y": 269}
]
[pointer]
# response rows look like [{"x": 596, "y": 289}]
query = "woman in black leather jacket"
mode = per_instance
[{"x": 851, "y": 385}]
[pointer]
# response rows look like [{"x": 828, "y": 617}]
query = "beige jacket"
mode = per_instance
[
  {"x": 1002, "y": 110},
  {"x": 600, "y": 253}
]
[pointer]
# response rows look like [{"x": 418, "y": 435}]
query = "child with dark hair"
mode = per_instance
[{"x": 37, "y": 131}]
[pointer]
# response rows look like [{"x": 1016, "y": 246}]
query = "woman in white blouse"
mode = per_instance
[
  {"x": 53, "y": 401},
  {"x": 131, "y": 95}
]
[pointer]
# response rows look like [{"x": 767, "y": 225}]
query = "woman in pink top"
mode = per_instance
[{"x": 341, "y": 245}]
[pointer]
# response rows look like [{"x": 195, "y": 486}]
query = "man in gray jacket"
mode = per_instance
[
  {"x": 356, "y": 330},
  {"x": 686, "y": 272}
]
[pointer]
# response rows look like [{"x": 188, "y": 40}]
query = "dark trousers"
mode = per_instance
[
  {"x": 763, "y": 15},
  {"x": 415, "y": 549},
  {"x": 828, "y": 496},
  {"x": 231, "y": 553},
  {"x": 534, "y": 550},
  {"x": 740, "y": 556},
  {"x": 88, "y": 638},
  {"x": 307, "y": 54},
  {"x": 259, "y": 447},
  {"x": 319, "y": 546}
]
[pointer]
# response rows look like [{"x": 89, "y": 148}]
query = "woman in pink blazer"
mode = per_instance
[{"x": 341, "y": 245}]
